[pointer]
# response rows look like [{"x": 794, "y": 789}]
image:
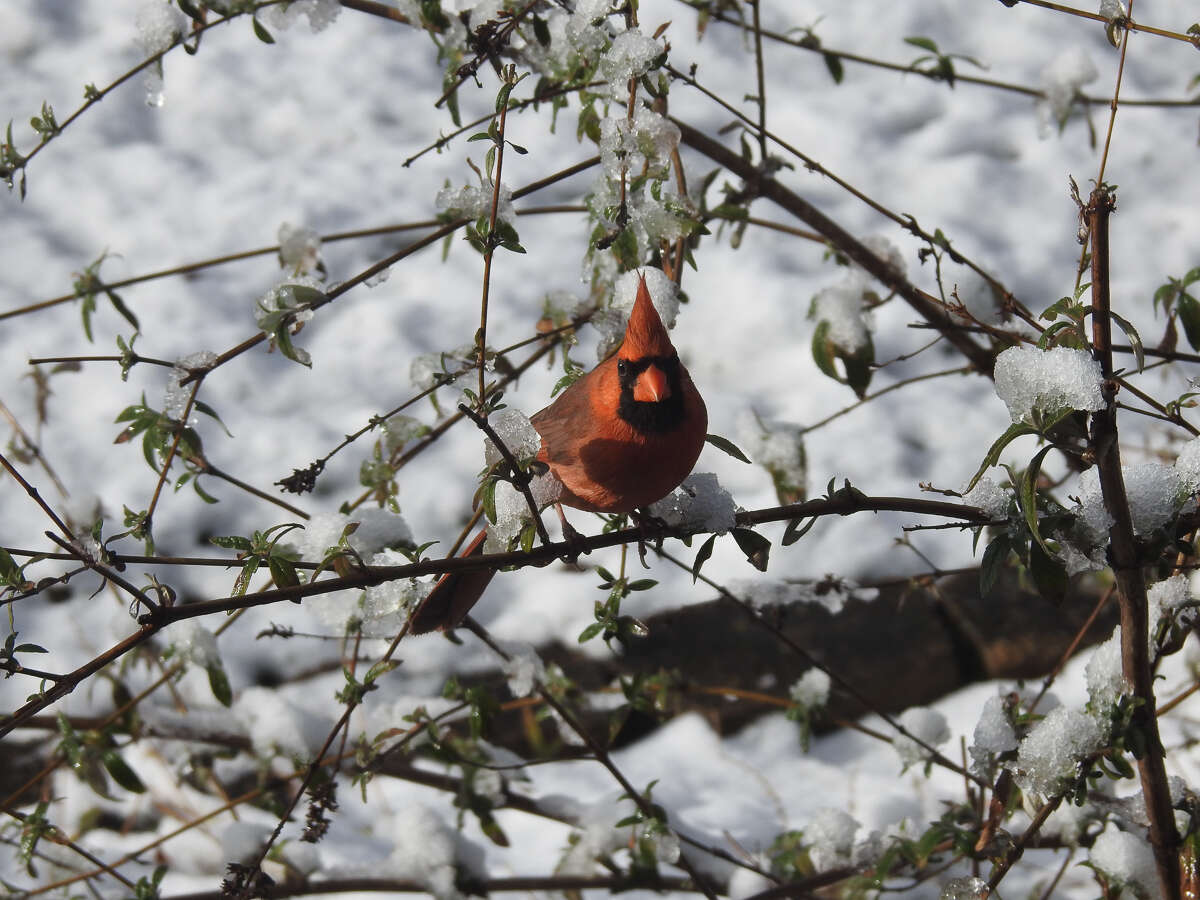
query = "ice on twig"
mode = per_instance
[
  {"x": 177, "y": 395},
  {"x": 431, "y": 369},
  {"x": 1104, "y": 673},
  {"x": 1049, "y": 381},
  {"x": 1127, "y": 861},
  {"x": 993, "y": 736},
  {"x": 979, "y": 299},
  {"x": 1153, "y": 491},
  {"x": 628, "y": 146},
  {"x": 831, "y": 838},
  {"x": 376, "y": 529},
  {"x": 990, "y": 497},
  {"x": 926, "y": 725},
  {"x": 629, "y": 56},
  {"x": 469, "y": 202},
  {"x": 593, "y": 841},
  {"x": 1062, "y": 81},
  {"x": 299, "y": 249},
  {"x": 843, "y": 305},
  {"x": 517, "y": 434},
  {"x": 194, "y": 643},
  {"x": 1187, "y": 466},
  {"x": 1050, "y": 755},
  {"x": 811, "y": 690},
  {"x": 779, "y": 448},
  {"x": 830, "y": 592},
  {"x": 512, "y": 515},
  {"x": 699, "y": 504},
  {"x": 524, "y": 669},
  {"x": 320, "y": 14},
  {"x": 385, "y": 607},
  {"x": 580, "y": 29},
  {"x": 969, "y": 887},
  {"x": 159, "y": 25},
  {"x": 1105, "y": 678}
]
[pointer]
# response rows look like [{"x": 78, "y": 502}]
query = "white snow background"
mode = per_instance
[{"x": 313, "y": 131}]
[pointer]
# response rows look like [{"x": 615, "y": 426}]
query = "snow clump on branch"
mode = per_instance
[
  {"x": 844, "y": 305},
  {"x": 1048, "y": 381},
  {"x": 1049, "y": 757}
]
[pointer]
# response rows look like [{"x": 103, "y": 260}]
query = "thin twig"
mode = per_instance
[{"x": 1123, "y": 555}]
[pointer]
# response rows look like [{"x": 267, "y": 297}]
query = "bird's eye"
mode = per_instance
[{"x": 622, "y": 367}]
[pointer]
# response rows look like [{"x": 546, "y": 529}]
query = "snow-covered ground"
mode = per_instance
[{"x": 314, "y": 131}]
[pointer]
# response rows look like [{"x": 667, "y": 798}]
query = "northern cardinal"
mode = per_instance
[{"x": 620, "y": 438}]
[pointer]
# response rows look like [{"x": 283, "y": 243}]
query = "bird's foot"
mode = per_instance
[
  {"x": 573, "y": 539},
  {"x": 650, "y": 529}
]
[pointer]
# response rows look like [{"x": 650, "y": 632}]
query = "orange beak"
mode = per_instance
[{"x": 651, "y": 386}]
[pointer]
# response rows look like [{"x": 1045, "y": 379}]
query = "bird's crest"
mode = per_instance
[{"x": 645, "y": 335}]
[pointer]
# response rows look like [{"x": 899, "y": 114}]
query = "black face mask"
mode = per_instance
[{"x": 651, "y": 416}]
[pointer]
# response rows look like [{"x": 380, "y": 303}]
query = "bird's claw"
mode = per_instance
[
  {"x": 575, "y": 542},
  {"x": 650, "y": 529}
]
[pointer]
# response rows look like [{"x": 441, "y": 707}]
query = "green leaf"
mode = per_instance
[
  {"x": 1014, "y": 431},
  {"x": 1135, "y": 339},
  {"x": 590, "y": 632},
  {"x": 1049, "y": 575},
  {"x": 380, "y": 669},
  {"x": 726, "y": 446},
  {"x": 796, "y": 530},
  {"x": 261, "y": 33},
  {"x": 191, "y": 11},
  {"x": 822, "y": 350},
  {"x": 487, "y": 498},
  {"x": 995, "y": 555},
  {"x": 923, "y": 42},
  {"x": 201, "y": 493},
  {"x": 126, "y": 313},
  {"x": 642, "y": 584},
  {"x": 1028, "y": 496},
  {"x": 702, "y": 556},
  {"x": 242, "y": 582},
  {"x": 1189, "y": 314},
  {"x": 756, "y": 547},
  {"x": 121, "y": 773},
  {"x": 834, "y": 65},
  {"x": 218, "y": 683},
  {"x": 860, "y": 366},
  {"x": 202, "y": 407},
  {"x": 232, "y": 542},
  {"x": 283, "y": 572},
  {"x": 625, "y": 249}
]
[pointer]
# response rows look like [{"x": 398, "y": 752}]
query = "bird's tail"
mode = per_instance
[{"x": 454, "y": 594}]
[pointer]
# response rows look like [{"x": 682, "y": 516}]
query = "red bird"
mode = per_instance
[{"x": 620, "y": 438}]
